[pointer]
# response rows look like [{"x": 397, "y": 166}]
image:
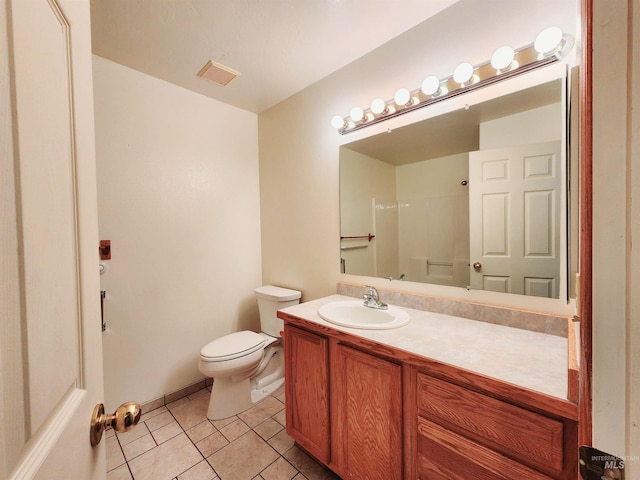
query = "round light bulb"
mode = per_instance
[
  {"x": 378, "y": 106},
  {"x": 463, "y": 73},
  {"x": 402, "y": 97},
  {"x": 502, "y": 58},
  {"x": 548, "y": 40},
  {"x": 337, "y": 122},
  {"x": 356, "y": 114},
  {"x": 431, "y": 85}
]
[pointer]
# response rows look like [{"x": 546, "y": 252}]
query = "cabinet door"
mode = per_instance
[
  {"x": 307, "y": 391},
  {"x": 367, "y": 425}
]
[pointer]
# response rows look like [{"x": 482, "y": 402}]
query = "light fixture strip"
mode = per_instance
[{"x": 525, "y": 59}]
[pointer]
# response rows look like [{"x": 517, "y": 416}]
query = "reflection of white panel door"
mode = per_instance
[
  {"x": 514, "y": 209},
  {"x": 56, "y": 378}
]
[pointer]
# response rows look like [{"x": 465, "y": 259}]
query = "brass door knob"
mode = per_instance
[
  {"x": 123, "y": 419},
  {"x": 477, "y": 265}
]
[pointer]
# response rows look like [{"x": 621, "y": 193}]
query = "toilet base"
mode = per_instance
[
  {"x": 229, "y": 398},
  {"x": 232, "y": 395}
]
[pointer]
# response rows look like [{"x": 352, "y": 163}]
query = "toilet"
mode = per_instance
[{"x": 247, "y": 366}]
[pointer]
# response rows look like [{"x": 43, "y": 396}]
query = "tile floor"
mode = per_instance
[{"x": 178, "y": 442}]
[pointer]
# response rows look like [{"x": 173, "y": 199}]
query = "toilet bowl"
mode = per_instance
[{"x": 247, "y": 366}]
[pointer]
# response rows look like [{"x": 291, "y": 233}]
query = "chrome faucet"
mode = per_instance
[{"x": 372, "y": 299}]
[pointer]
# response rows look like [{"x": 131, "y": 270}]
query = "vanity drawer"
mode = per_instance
[
  {"x": 444, "y": 454},
  {"x": 527, "y": 436}
]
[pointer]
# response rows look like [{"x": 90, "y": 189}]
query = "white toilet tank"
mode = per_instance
[{"x": 270, "y": 300}]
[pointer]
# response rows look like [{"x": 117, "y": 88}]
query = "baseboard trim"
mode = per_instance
[{"x": 168, "y": 398}]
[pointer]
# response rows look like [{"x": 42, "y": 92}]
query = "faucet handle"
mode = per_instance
[
  {"x": 372, "y": 299},
  {"x": 373, "y": 293}
]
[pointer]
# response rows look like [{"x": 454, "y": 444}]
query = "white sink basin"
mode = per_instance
[{"x": 353, "y": 313}]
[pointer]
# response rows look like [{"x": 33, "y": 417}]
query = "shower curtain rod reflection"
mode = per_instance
[{"x": 369, "y": 236}]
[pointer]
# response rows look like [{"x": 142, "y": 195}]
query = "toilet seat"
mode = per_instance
[{"x": 234, "y": 345}]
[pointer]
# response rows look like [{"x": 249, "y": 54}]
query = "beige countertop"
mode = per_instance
[{"x": 528, "y": 359}]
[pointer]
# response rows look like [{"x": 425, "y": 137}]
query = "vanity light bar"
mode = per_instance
[{"x": 550, "y": 46}]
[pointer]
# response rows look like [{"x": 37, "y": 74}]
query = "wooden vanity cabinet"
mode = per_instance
[{"x": 369, "y": 411}]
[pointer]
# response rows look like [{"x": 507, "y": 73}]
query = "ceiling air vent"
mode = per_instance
[{"x": 217, "y": 73}]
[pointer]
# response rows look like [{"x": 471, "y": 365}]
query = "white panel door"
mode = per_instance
[
  {"x": 515, "y": 215},
  {"x": 52, "y": 150}
]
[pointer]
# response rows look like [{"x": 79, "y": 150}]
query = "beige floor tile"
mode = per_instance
[
  {"x": 261, "y": 411},
  {"x": 243, "y": 459},
  {"x": 203, "y": 429},
  {"x": 115, "y": 457},
  {"x": 166, "y": 461},
  {"x": 225, "y": 421},
  {"x": 279, "y": 470},
  {"x": 201, "y": 471},
  {"x": 311, "y": 469},
  {"x": 163, "y": 434},
  {"x": 152, "y": 413},
  {"x": 234, "y": 430},
  {"x": 138, "y": 447},
  {"x": 268, "y": 428},
  {"x": 281, "y": 418},
  {"x": 281, "y": 442},
  {"x": 120, "y": 473},
  {"x": 178, "y": 402},
  {"x": 191, "y": 413},
  {"x": 159, "y": 421},
  {"x": 138, "y": 431},
  {"x": 211, "y": 444}
]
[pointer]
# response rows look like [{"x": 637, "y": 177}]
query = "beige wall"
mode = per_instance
[{"x": 178, "y": 198}]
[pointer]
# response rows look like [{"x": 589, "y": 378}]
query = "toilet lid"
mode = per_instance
[{"x": 232, "y": 346}]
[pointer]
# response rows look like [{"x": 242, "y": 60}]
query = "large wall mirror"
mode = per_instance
[{"x": 477, "y": 196}]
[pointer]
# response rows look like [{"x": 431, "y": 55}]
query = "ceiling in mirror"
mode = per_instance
[{"x": 456, "y": 132}]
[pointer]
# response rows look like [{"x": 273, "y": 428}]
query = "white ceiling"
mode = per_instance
[{"x": 279, "y": 46}]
